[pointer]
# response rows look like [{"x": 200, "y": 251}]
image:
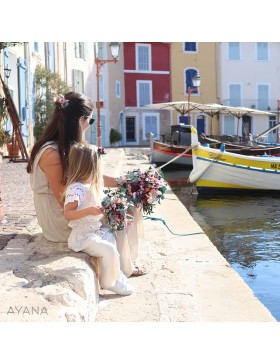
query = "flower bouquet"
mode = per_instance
[
  {"x": 115, "y": 207},
  {"x": 143, "y": 189}
]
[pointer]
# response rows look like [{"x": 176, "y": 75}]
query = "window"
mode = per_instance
[
  {"x": 118, "y": 89},
  {"x": 234, "y": 95},
  {"x": 234, "y": 51},
  {"x": 188, "y": 80},
  {"x": 262, "y": 97},
  {"x": 183, "y": 119},
  {"x": 81, "y": 50},
  {"x": 78, "y": 81},
  {"x": 144, "y": 93},
  {"x": 272, "y": 136},
  {"x": 36, "y": 46},
  {"x": 190, "y": 46},
  {"x": 101, "y": 87},
  {"x": 151, "y": 125},
  {"x": 143, "y": 54},
  {"x": 228, "y": 124},
  {"x": 50, "y": 56},
  {"x": 262, "y": 51}
]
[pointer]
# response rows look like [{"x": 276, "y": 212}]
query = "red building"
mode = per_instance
[{"x": 147, "y": 80}]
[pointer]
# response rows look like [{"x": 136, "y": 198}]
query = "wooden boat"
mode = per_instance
[
  {"x": 219, "y": 170},
  {"x": 243, "y": 147},
  {"x": 163, "y": 153}
]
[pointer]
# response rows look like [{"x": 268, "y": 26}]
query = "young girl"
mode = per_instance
[{"x": 83, "y": 192}]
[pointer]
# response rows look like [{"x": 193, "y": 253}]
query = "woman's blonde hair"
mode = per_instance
[{"x": 84, "y": 163}]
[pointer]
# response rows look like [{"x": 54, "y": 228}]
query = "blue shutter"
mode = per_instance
[
  {"x": 234, "y": 50},
  {"x": 33, "y": 95},
  {"x": 235, "y": 95},
  {"x": 103, "y": 130},
  {"x": 262, "y": 51},
  {"x": 183, "y": 119},
  {"x": 262, "y": 97},
  {"x": 6, "y": 64},
  {"x": 22, "y": 98},
  {"x": 85, "y": 51},
  {"x": 51, "y": 55},
  {"x": 190, "y": 46}
]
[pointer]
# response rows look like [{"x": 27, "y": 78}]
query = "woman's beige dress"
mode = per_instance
[{"x": 49, "y": 213}]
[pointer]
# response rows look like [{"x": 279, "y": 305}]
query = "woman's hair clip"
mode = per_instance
[
  {"x": 61, "y": 102},
  {"x": 100, "y": 151}
]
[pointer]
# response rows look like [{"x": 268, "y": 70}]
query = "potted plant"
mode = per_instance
[
  {"x": 13, "y": 147},
  {"x": 115, "y": 136}
]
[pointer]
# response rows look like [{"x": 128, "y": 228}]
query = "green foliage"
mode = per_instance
[
  {"x": 3, "y": 111},
  {"x": 115, "y": 136},
  {"x": 48, "y": 86},
  {"x": 9, "y": 44},
  {"x": 5, "y": 136}
]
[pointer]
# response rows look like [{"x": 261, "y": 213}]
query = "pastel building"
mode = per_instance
[{"x": 147, "y": 79}]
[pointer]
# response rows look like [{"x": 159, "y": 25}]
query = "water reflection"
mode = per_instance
[{"x": 245, "y": 229}]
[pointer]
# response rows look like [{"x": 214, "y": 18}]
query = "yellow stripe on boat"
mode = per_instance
[
  {"x": 270, "y": 163},
  {"x": 216, "y": 184}
]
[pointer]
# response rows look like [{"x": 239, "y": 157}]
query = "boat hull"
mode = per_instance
[
  {"x": 217, "y": 170},
  {"x": 163, "y": 153}
]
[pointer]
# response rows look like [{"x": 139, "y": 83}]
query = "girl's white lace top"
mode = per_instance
[{"x": 83, "y": 195}]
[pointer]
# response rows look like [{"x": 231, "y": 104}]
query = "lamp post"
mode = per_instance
[
  {"x": 196, "y": 83},
  {"x": 7, "y": 72},
  {"x": 115, "y": 48}
]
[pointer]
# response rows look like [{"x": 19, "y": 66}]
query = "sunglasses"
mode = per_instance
[{"x": 91, "y": 120}]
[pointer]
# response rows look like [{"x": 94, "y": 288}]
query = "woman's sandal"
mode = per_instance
[{"x": 139, "y": 271}]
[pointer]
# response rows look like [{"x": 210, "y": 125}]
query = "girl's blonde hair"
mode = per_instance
[{"x": 84, "y": 163}]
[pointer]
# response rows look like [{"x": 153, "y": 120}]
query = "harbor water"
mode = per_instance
[{"x": 244, "y": 228}]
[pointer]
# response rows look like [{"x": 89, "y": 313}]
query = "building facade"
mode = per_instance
[{"x": 147, "y": 80}]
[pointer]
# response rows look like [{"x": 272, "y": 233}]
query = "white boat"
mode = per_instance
[{"x": 218, "y": 170}]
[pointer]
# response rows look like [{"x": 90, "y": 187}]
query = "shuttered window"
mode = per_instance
[
  {"x": 81, "y": 50},
  {"x": 50, "y": 56},
  {"x": 144, "y": 92},
  {"x": 143, "y": 57},
  {"x": 235, "y": 95},
  {"x": 150, "y": 125},
  {"x": 229, "y": 125},
  {"x": 262, "y": 51},
  {"x": 190, "y": 46},
  {"x": 118, "y": 89},
  {"x": 78, "y": 81},
  {"x": 234, "y": 50},
  {"x": 262, "y": 97}
]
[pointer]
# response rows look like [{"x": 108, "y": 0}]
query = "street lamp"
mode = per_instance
[
  {"x": 115, "y": 48},
  {"x": 7, "y": 72},
  {"x": 196, "y": 83}
]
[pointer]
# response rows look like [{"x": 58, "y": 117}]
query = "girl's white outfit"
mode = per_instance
[{"x": 89, "y": 236}]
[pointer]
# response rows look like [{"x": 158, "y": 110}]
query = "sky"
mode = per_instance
[{"x": 175, "y": 20}]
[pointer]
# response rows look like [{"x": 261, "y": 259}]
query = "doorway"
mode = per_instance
[
  {"x": 130, "y": 129},
  {"x": 246, "y": 125}
]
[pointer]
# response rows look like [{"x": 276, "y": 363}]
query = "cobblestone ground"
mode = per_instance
[{"x": 19, "y": 211}]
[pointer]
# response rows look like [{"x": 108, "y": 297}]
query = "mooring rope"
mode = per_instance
[{"x": 163, "y": 221}]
